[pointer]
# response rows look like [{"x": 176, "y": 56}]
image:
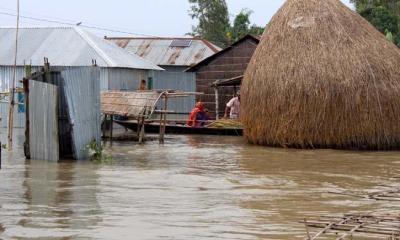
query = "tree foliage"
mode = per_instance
[
  {"x": 241, "y": 26},
  {"x": 213, "y": 20},
  {"x": 383, "y": 14},
  {"x": 214, "y": 24}
]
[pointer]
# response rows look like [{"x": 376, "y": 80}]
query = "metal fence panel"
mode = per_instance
[
  {"x": 43, "y": 125},
  {"x": 82, "y": 91},
  {"x": 183, "y": 81}
]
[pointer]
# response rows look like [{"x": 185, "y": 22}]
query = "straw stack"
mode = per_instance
[{"x": 322, "y": 77}]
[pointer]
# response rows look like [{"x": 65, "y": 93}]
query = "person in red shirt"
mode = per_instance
[{"x": 197, "y": 116}]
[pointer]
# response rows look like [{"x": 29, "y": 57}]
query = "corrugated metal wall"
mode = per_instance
[
  {"x": 110, "y": 79},
  {"x": 43, "y": 130},
  {"x": 183, "y": 81},
  {"x": 82, "y": 91},
  {"x": 6, "y": 76},
  {"x": 124, "y": 79}
]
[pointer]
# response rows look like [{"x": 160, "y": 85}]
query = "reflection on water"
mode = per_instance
[{"x": 193, "y": 187}]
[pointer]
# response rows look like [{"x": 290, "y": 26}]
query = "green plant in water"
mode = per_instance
[{"x": 97, "y": 153}]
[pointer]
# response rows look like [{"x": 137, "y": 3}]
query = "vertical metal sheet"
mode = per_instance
[
  {"x": 184, "y": 81},
  {"x": 103, "y": 79},
  {"x": 43, "y": 127},
  {"x": 81, "y": 87}
]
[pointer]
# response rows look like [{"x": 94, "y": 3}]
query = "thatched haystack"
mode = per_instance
[{"x": 322, "y": 77}]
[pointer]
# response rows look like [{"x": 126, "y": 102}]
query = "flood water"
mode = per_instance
[{"x": 193, "y": 187}]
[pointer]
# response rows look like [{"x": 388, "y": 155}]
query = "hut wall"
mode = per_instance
[
  {"x": 83, "y": 101},
  {"x": 184, "y": 81},
  {"x": 122, "y": 78},
  {"x": 110, "y": 79},
  {"x": 76, "y": 117},
  {"x": 43, "y": 111},
  {"x": 229, "y": 64}
]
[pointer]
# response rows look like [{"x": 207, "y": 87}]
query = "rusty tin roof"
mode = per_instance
[{"x": 184, "y": 51}]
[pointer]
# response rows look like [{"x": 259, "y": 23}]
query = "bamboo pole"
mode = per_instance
[
  {"x": 216, "y": 103},
  {"x": 12, "y": 89}
]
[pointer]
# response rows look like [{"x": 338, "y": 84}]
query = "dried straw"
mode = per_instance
[{"x": 322, "y": 77}]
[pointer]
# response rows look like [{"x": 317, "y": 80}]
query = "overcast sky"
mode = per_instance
[{"x": 148, "y": 17}]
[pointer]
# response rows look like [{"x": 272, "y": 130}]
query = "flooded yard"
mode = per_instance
[{"x": 193, "y": 187}]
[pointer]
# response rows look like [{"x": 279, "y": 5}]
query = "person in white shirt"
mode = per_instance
[{"x": 233, "y": 107}]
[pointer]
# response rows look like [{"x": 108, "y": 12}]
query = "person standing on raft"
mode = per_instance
[{"x": 233, "y": 107}]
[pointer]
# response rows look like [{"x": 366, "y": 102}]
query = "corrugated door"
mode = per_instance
[
  {"x": 43, "y": 125},
  {"x": 82, "y": 92}
]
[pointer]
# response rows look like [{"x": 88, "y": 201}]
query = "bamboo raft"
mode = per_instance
[{"x": 369, "y": 226}]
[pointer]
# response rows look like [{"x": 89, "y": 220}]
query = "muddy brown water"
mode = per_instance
[{"x": 193, "y": 187}]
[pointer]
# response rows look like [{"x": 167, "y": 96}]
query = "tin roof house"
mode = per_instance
[
  {"x": 68, "y": 48},
  {"x": 225, "y": 68},
  {"x": 172, "y": 54}
]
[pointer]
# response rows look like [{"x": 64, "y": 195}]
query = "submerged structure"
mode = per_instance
[
  {"x": 322, "y": 77},
  {"x": 62, "y": 113},
  {"x": 72, "y": 49},
  {"x": 228, "y": 64},
  {"x": 175, "y": 55}
]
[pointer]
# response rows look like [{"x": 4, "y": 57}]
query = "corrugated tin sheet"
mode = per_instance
[
  {"x": 125, "y": 79},
  {"x": 181, "y": 81},
  {"x": 82, "y": 92},
  {"x": 160, "y": 52},
  {"x": 65, "y": 47},
  {"x": 43, "y": 127},
  {"x": 110, "y": 79}
]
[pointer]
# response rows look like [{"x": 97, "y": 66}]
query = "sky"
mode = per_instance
[{"x": 127, "y": 17}]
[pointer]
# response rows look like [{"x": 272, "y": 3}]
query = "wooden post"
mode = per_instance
[
  {"x": 104, "y": 126},
  {"x": 161, "y": 127},
  {"x": 12, "y": 89},
  {"x": 164, "y": 121},
  {"x": 111, "y": 126},
  {"x": 142, "y": 131},
  {"x": 216, "y": 103},
  {"x": 11, "y": 119},
  {"x": 25, "y": 83}
]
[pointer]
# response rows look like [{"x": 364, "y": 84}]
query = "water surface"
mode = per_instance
[{"x": 193, "y": 187}]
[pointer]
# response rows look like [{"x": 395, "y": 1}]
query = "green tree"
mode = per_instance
[
  {"x": 213, "y": 20},
  {"x": 383, "y": 14},
  {"x": 256, "y": 30},
  {"x": 241, "y": 24},
  {"x": 389, "y": 36},
  {"x": 381, "y": 18},
  {"x": 214, "y": 24},
  {"x": 397, "y": 40}
]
